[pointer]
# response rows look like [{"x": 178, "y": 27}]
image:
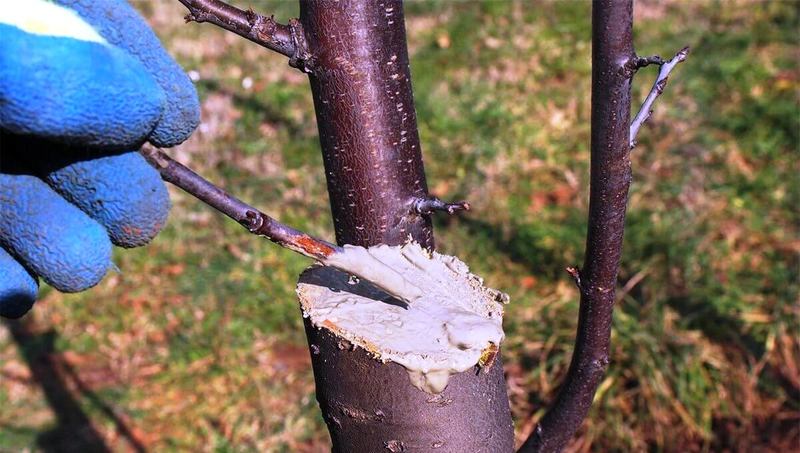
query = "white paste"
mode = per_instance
[
  {"x": 451, "y": 319},
  {"x": 368, "y": 265}
]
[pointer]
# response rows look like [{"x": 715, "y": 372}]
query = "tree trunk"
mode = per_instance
[
  {"x": 367, "y": 123},
  {"x": 356, "y": 56},
  {"x": 361, "y": 85}
]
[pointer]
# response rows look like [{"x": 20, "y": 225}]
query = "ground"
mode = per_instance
[{"x": 196, "y": 343}]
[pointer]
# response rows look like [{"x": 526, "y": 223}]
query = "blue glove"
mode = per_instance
[{"x": 82, "y": 83}]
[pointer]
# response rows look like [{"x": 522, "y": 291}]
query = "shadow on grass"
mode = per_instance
[
  {"x": 729, "y": 332},
  {"x": 545, "y": 250},
  {"x": 74, "y": 431},
  {"x": 718, "y": 327}
]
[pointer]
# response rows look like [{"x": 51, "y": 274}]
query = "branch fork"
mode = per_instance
[
  {"x": 249, "y": 217},
  {"x": 610, "y": 179},
  {"x": 612, "y": 137},
  {"x": 665, "y": 68},
  {"x": 288, "y": 40}
]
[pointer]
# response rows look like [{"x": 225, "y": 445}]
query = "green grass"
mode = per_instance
[{"x": 198, "y": 342}]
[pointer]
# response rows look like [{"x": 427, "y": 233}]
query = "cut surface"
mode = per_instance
[{"x": 450, "y": 325}]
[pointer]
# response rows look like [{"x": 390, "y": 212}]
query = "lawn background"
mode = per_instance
[{"x": 196, "y": 343}]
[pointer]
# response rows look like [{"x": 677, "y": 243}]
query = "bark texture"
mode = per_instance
[
  {"x": 612, "y": 72},
  {"x": 356, "y": 56},
  {"x": 361, "y": 83},
  {"x": 371, "y": 407}
]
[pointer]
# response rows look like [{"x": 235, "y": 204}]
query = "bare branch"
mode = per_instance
[
  {"x": 665, "y": 69},
  {"x": 259, "y": 223},
  {"x": 429, "y": 205},
  {"x": 288, "y": 40},
  {"x": 249, "y": 217},
  {"x": 610, "y": 176}
]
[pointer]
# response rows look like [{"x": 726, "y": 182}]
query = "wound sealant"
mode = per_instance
[{"x": 438, "y": 320}]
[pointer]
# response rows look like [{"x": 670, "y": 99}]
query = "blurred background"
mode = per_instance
[{"x": 196, "y": 343}]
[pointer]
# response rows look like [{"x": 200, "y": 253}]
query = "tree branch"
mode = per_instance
[
  {"x": 288, "y": 40},
  {"x": 640, "y": 62},
  {"x": 665, "y": 69},
  {"x": 612, "y": 53},
  {"x": 261, "y": 224},
  {"x": 249, "y": 217},
  {"x": 429, "y": 205}
]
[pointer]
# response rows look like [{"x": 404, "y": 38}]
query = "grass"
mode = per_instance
[{"x": 198, "y": 344}]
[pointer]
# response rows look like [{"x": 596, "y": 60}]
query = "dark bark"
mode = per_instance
[
  {"x": 285, "y": 39},
  {"x": 249, "y": 217},
  {"x": 361, "y": 85},
  {"x": 612, "y": 52},
  {"x": 371, "y": 407},
  {"x": 367, "y": 124}
]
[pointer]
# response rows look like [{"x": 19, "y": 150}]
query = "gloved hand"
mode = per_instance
[{"x": 82, "y": 83}]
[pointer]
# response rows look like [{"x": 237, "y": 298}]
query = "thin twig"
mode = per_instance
[
  {"x": 665, "y": 69},
  {"x": 249, "y": 217},
  {"x": 631, "y": 283},
  {"x": 261, "y": 224},
  {"x": 287, "y": 40},
  {"x": 429, "y": 205},
  {"x": 641, "y": 62},
  {"x": 575, "y": 272}
]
